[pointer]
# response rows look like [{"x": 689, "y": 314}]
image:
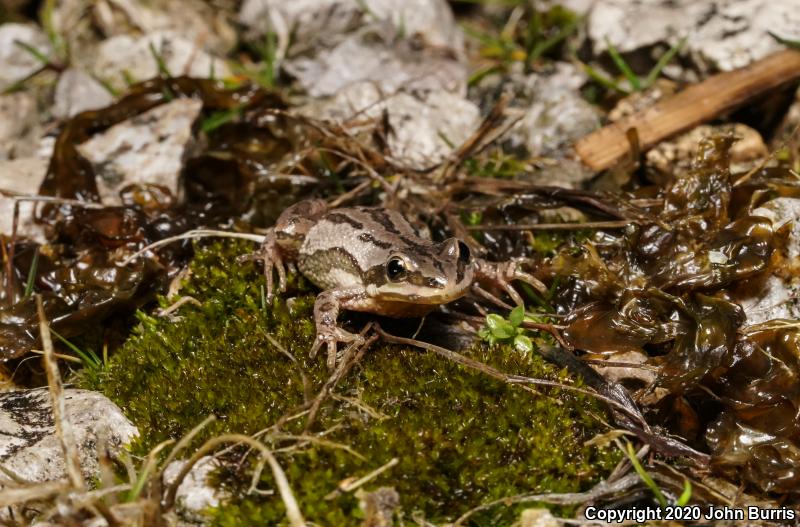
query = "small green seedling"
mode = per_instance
[{"x": 499, "y": 329}]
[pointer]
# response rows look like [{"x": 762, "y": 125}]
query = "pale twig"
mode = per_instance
[
  {"x": 554, "y": 226},
  {"x": 349, "y": 486},
  {"x": 62, "y": 425},
  {"x": 520, "y": 380},
  {"x": 292, "y": 509},
  {"x": 346, "y": 363},
  {"x": 193, "y": 234},
  {"x": 186, "y": 439},
  {"x": 600, "y": 490}
]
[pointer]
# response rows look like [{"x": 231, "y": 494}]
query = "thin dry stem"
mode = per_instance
[{"x": 62, "y": 425}]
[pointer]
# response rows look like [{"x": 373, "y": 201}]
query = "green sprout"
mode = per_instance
[
  {"x": 525, "y": 40},
  {"x": 683, "y": 499},
  {"x": 499, "y": 329},
  {"x": 636, "y": 83}
]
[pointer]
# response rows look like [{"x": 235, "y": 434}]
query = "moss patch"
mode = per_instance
[{"x": 461, "y": 438}]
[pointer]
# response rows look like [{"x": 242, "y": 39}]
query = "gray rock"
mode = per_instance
[
  {"x": 537, "y": 518},
  {"x": 195, "y": 495},
  {"x": 77, "y": 92},
  {"x": 674, "y": 157},
  {"x": 145, "y": 150},
  {"x": 17, "y": 63},
  {"x": 424, "y": 127},
  {"x": 20, "y": 125},
  {"x": 28, "y": 443},
  {"x": 722, "y": 34},
  {"x": 22, "y": 176},
  {"x": 84, "y": 24},
  {"x": 125, "y": 57},
  {"x": 556, "y": 114},
  {"x": 411, "y": 45},
  {"x": 777, "y": 296},
  {"x": 375, "y": 55},
  {"x": 312, "y": 20}
]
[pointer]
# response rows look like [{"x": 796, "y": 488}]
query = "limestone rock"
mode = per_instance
[
  {"x": 675, "y": 156},
  {"x": 17, "y": 63},
  {"x": 778, "y": 295},
  {"x": 145, "y": 150},
  {"x": 721, "y": 34},
  {"x": 77, "y": 92},
  {"x": 20, "y": 127},
  {"x": 22, "y": 176},
  {"x": 424, "y": 128},
  {"x": 195, "y": 494},
  {"x": 28, "y": 443},
  {"x": 409, "y": 45},
  {"x": 128, "y": 58},
  {"x": 555, "y": 115}
]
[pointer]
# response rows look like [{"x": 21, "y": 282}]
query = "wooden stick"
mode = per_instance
[{"x": 694, "y": 105}]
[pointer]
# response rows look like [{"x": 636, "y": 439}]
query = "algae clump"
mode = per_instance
[{"x": 461, "y": 438}]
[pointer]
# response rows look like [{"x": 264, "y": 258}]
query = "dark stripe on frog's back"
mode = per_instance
[{"x": 396, "y": 224}]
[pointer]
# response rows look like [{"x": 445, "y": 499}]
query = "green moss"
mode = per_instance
[{"x": 461, "y": 438}]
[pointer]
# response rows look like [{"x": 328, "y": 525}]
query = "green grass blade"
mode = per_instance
[
  {"x": 794, "y": 44},
  {"x": 544, "y": 46},
  {"x": 90, "y": 359},
  {"x": 623, "y": 66},
  {"x": 644, "y": 476},
  {"x": 217, "y": 119},
  {"x": 686, "y": 495},
  {"x": 38, "y": 55},
  {"x": 662, "y": 63},
  {"x": 32, "y": 274},
  {"x": 163, "y": 70},
  {"x": 603, "y": 80}
]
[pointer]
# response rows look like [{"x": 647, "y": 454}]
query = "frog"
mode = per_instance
[{"x": 371, "y": 259}]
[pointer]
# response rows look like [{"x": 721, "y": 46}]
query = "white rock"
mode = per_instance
[
  {"x": 779, "y": 295},
  {"x": 17, "y": 63},
  {"x": 83, "y": 24},
  {"x": 195, "y": 495},
  {"x": 413, "y": 44},
  {"x": 28, "y": 443},
  {"x": 556, "y": 115},
  {"x": 310, "y": 19},
  {"x": 20, "y": 125},
  {"x": 77, "y": 92},
  {"x": 675, "y": 156},
  {"x": 537, "y": 518},
  {"x": 424, "y": 127},
  {"x": 782, "y": 211},
  {"x": 126, "y": 56},
  {"x": 366, "y": 56},
  {"x": 145, "y": 150},
  {"x": 722, "y": 34},
  {"x": 22, "y": 176}
]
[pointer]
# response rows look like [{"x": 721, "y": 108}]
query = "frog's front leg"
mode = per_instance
[
  {"x": 326, "y": 314},
  {"x": 282, "y": 242},
  {"x": 501, "y": 274}
]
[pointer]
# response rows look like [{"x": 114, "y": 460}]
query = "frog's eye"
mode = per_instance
[{"x": 396, "y": 269}]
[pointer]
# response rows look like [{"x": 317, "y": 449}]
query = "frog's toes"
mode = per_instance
[
  {"x": 331, "y": 337},
  {"x": 269, "y": 254}
]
